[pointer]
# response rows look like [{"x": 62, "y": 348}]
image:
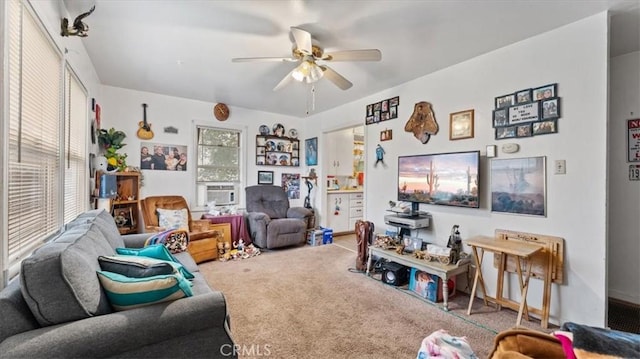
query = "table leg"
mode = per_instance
[
  {"x": 445, "y": 293},
  {"x": 521, "y": 283},
  {"x": 525, "y": 288},
  {"x": 477, "y": 278}
]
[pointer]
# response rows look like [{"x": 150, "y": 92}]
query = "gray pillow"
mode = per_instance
[{"x": 135, "y": 266}]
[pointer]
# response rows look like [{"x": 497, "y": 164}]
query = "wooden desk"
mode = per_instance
[
  {"x": 444, "y": 271},
  {"x": 521, "y": 251}
]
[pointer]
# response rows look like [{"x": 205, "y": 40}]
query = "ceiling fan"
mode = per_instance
[{"x": 307, "y": 55}]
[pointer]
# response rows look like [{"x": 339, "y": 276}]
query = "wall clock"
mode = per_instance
[{"x": 221, "y": 112}]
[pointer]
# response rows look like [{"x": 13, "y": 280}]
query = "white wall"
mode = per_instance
[
  {"x": 574, "y": 57},
  {"x": 122, "y": 109},
  {"x": 624, "y": 195}
]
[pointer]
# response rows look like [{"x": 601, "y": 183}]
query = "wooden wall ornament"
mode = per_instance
[
  {"x": 221, "y": 112},
  {"x": 422, "y": 122}
]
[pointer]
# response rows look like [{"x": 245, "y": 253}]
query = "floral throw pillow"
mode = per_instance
[{"x": 173, "y": 218}]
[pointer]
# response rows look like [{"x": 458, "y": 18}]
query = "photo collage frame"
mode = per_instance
[
  {"x": 526, "y": 113},
  {"x": 382, "y": 111}
]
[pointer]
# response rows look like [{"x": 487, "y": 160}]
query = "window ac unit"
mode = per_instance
[{"x": 223, "y": 194}]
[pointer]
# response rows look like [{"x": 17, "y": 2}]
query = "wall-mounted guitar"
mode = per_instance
[{"x": 144, "y": 132}]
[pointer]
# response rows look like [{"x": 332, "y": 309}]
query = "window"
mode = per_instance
[
  {"x": 219, "y": 159},
  {"x": 44, "y": 165}
]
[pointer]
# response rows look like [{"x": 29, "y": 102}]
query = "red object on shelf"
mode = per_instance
[{"x": 360, "y": 178}]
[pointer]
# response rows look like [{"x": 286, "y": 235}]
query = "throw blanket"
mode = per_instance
[
  {"x": 176, "y": 240},
  {"x": 591, "y": 342},
  {"x": 442, "y": 345}
]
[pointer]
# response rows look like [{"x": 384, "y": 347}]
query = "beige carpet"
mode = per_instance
[{"x": 304, "y": 302}]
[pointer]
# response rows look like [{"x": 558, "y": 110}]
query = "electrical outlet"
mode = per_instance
[{"x": 561, "y": 167}]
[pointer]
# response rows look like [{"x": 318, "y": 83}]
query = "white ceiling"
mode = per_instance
[{"x": 184, "y": 48}]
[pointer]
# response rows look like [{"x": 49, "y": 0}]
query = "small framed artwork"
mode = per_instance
[
  {"x": 260, "y": 151},
  {"x": 461, "y": 125},
  {"x": 377, "y": 106},
  {"x": 523, "y": 96},
  {"x": 386, "y": 135},
  {"x": 311, "y": 151},
  {"x": 505, "y": 101},
  {"x": 505, "y": 132},
  {"x": 265, "y": 177},
  {"x": 376, "y": 116},
  {"x": 370, "y": 110},
  {"x": 395, "y": 101},
  {"x": 523, "y": 130},
  {"x": 500, "y": 118},
  {"x": 369, "y": 120},
  {"x": 545, "y": 127},
  {"x": 544, "y": 92},
  {"x": 550, "y": 108},
  {"x": 491, "y": 151}
]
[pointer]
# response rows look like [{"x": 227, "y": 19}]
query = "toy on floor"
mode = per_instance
[{"x": 240, "y": 251}]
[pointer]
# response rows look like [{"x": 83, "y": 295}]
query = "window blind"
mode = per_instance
[
  {"x": 34, "y": 136},
  {"x": 75, "y": 159}
]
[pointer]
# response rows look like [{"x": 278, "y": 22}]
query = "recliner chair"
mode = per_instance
[{"x": 272, "y": 223}]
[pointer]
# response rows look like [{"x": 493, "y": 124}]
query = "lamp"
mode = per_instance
[{"x": 307, "y": 71}]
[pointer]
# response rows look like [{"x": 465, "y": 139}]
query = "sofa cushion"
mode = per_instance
[
  {"x": 128, "y": 293},
  {"x": 135, "y": 266},
  {"x": 105, "y": 223},
  {"x": 59, "y": 281}
]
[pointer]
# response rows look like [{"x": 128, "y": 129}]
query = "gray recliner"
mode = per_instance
[{"x": 272, "y": 223}]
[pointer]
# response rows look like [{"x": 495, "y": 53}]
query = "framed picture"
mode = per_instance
[
  {"x": 633, "y": 140},
  {"x": 518, "y": 186},
  {"x": 545, "y": 92},
  {"x": 500, "y": 118},
  {"x": 545, "y": 127},
  {"x": 505, "y": 132},
  {"x": 523, "y": 96},
  {"x": 394, "y": 102},
  {"x": 162, "y": 157},
  {"x": 311, "y": 151},
  {"x": 461, "y": 125},
  {"x": 123, "y": 216},
  {"x": 523, "y": 130},
  {"x": 550, "y": 108},
  {"x": 505, "y": 101},
  {"x": 386, "y": 135},
  {"x": 265, "y": 177},
  {"x": 260, "y": 151},
  {"x": 291, "y": 184}
]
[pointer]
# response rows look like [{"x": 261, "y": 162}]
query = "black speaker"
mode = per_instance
[{"x": 394, "y": 274}]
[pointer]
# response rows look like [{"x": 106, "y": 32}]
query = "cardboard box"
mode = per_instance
[
  {"x": 314, "y": 237},
  {"x": 327, "y": 235},
  {"x": 429, "y": 286}
]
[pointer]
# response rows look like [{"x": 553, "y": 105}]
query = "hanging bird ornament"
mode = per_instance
[{"x": 79, "y": 28}]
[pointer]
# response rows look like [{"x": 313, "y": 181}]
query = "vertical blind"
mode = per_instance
[{"x": 34, "y": 136}]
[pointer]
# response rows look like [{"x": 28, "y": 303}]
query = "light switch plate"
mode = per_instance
[{"x": 560, "y": 167}]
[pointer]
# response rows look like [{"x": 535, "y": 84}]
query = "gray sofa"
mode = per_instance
[
  {"x": 57, "y": 308},
  {"x": 272, "y": 223}
]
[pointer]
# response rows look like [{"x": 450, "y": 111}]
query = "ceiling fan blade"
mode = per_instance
[
  {"x": 336, "y": 78},
  {"x": 285, "y": 81},
  {"x": 264, "y": 59},
  {"x": 303, "y": 40},
  {"x": 354, "y": 55}
]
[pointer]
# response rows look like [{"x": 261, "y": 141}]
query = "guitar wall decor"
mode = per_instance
[{"x": 144, "y": 132}]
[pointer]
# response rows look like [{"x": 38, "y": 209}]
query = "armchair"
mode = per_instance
[
  {"x": 272, "y": 223},
  {"x": 202, "y": 241}
]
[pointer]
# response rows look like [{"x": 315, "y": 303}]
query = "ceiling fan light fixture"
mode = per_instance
[{"x": 308, "y": 72}]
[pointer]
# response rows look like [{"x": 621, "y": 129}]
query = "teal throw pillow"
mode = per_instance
[
  {"x": 128, "y": 293},
  {"x": 157, "y": 251}
]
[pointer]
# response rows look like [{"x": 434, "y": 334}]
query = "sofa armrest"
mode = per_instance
[
  {"x": 135, "y": 240},
  {"x": 121, "y": 332},
  {"x": 299, "y": 212}
]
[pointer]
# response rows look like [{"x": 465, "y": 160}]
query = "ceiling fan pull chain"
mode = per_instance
[{"x": 313, "y": 97}]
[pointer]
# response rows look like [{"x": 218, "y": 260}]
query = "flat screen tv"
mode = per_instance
[{"x": 449, "y": 179}]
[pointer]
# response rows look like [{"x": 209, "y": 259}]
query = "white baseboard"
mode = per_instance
[{"x": 624, "y": 296}]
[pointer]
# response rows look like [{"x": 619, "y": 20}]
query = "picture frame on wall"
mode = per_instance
[
  {"x": 545, "y": 92},
  {"x": 544, "y": 127},
  {"x": 311, "y": 151},
  {"x": 500, "y": 118},
  {"x": 518, "y": 186},
  {"x": 505, "y": 132},
  {"x": 505, "y": 100},
  {"x": 265, "y": 177},
  {"x": 461, "y": 125},
  {"x": 523, "y": 96},
  {"x": 550, "y": 108}
]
